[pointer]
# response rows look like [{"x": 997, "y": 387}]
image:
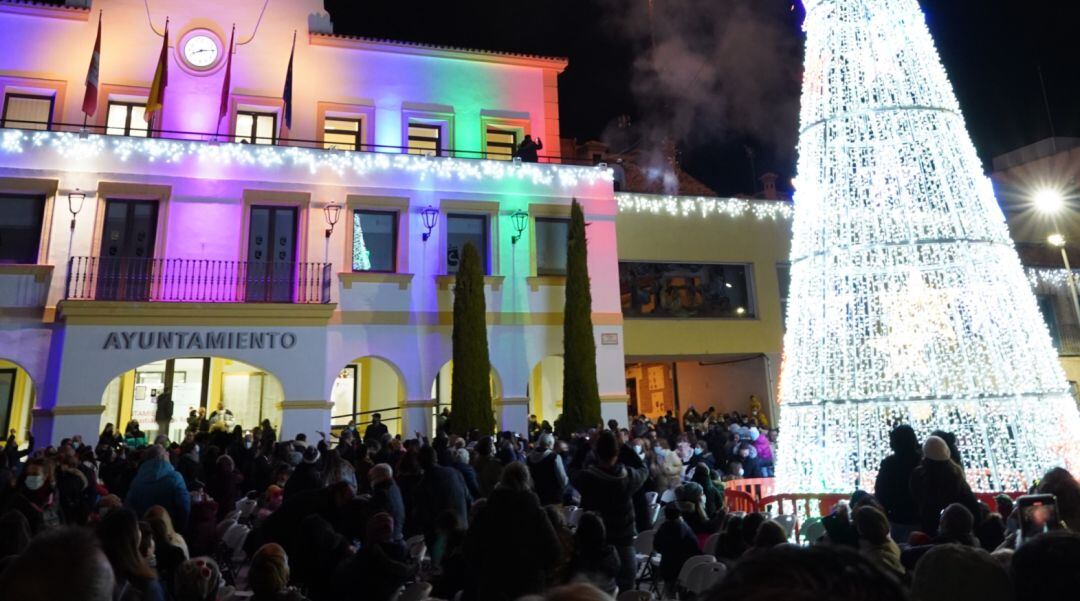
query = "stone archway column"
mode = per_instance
[
  {"x": 513, "y": 414},
  {"x": 417, "y": 415},
  {"x": 307, "y": 417}
]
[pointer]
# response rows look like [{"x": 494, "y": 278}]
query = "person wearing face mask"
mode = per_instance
[{"x": 36, "y": 496}]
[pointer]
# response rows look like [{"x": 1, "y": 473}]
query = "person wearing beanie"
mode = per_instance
[
  {"x": 307, "y": 476},
  {"x": 937, "y": 483}
]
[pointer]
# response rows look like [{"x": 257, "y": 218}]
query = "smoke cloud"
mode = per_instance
[{"x": 711, "y": 71}]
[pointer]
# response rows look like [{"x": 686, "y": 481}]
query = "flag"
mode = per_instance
[
  {"x": 286, "y": 95},
  {"x": 161, "y": 79},
  {"x": 227, "y": 84},
  {"x": 89, "y": 103}
]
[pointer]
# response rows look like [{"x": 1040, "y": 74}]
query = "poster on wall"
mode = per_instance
[
  {"x": 657, "y": 399},
  {"x": 656, "y": 377}
]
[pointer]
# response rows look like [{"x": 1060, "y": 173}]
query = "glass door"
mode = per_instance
[
  {"x": 7, "y": 398},
  {"x": 271, "y": 264},
  {"x": 126, "y": 261}
]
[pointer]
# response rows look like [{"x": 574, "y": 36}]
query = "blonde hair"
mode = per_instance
[
  {"x": 269, "y": 572},
  {"x": 160, "y": 524}
]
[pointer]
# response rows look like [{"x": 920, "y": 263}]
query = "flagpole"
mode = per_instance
[
  {"x": 225, "y": 84},
  {"x": 288, "y": 101}
]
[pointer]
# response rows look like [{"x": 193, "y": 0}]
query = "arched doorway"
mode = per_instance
[
  {"x": 441, "y": 390},
  {"x": 250, "y": 393},
  {"x": 17, "y": 396},
  {"x": 365, "y": 386},
  {"x": 546, "y": 389}
]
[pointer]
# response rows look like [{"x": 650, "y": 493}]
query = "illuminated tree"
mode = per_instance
[{"x": 908, "y": 301}]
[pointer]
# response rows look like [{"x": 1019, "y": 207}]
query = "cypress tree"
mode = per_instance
[
  {"x": 470, "y": 392},
  {"x": 581, "y": 395}
]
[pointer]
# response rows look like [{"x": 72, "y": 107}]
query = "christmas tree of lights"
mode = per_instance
[
  {"x": 908, "y": 302},
  {"x": 361, "y": 256}
]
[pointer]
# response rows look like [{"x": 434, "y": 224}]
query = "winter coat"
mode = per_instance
[
  {"x": 668, "y": 471},
  {"x": 386, "y": 496},
  {"x": 375, "y": 573},
  {"x": 468, "y": 474},
  {"x": 764, "y": 449},
  {"x": 488, "y": 471},
  {"x": 675, "y": 542},
  {"x": 510, "y": 547},
  {"x": 893, "y": 487},
  {"x": 886, "y": 555},
  {"x": 934, "y": 486},
  {"x": 608, "y": 491},
  {"x": 158, "y": 483},
  {"x": 439, "y": 489},
  {"x": 305, "y": 477},
  {"x": 598, "y": 569},
  {"x": 549, "y": 476}
]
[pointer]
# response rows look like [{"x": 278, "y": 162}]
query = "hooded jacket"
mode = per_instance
[
  {"x": 158, "y": 483},
  {"x": 609, "y": 491},
  {"x": 549, "y": 476}
]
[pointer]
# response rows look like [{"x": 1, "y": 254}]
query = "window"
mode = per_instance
[
  {"x": 425, "y": 139},
  {"x": 1046, "y": 307},
  {"x": 685, "y": 290},
  {"x": 462, "y": 229},
  {"x": 783, "y": 277},
  {"x": 551, "y": 235},
  {"x": 501, "y": 144},
  {"x": 256, "y": 128},
  {"x": 126, "y": 119},
  {"x": 374, "y": 241},
  {"x": 25, "y": 111},
  {"x": 20, "y": 228},
  {"x": 343, "y": 134}
]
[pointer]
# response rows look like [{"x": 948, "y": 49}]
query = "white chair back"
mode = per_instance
[
  {"x": 711, "y": 543},
  {"x": 643, "y": 543},
  {"x": 688, "y": 567},
  {"x": 705, "y": 576},
  {"x": 787, "y": 521}
]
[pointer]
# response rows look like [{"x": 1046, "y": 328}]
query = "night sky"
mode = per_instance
[{"x": 730, "y": 78}]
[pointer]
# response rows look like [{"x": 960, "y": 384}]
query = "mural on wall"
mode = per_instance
[{"x": 684, "y": 290}]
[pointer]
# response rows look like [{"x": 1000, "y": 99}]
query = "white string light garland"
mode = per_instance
[
  {"x": 908, "y": 301},
  {"x": 703, "y": 206},
  {"x": 74, "y": 147}
]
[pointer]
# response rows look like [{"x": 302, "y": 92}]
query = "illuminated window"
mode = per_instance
[
  {"x": 374, "y": 241},
  {"x": 20, "y": 228},
  {"x": 126, "y": 119},
  {"x": 501, "y": 144},
  {"x": 256, "y": 128},
  {"x": 686, "y": 290},
  {"x": 460, "y": 230},
  {"x": 425, "y": 139},
  {"x": 343, "y": 134},
  {"x": 25, "y": 111},
  {"x": 551, "y": 235}
]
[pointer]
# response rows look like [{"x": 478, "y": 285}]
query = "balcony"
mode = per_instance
[{"x": 196, "y": 281}]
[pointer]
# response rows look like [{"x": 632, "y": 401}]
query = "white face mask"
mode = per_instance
[{"x": 35, "y": 482}]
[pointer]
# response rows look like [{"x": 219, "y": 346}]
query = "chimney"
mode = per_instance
[{"x": 768, "y": 181}]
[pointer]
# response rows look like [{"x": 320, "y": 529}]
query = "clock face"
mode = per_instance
[{"x": 201, "y": 51}]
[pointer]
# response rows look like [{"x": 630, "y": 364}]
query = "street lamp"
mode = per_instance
[
  {"x": 75, "y": 205},
  {"x": 430, "y": 216},
  {"x": 332, "y": 212},
  {"x": 521, "y": 223},
  {"x": 1048, "y": 201},
  {"x": 1058, "y": 241}
]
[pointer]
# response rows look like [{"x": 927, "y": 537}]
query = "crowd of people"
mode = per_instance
[{"x": 226, "y": 514}]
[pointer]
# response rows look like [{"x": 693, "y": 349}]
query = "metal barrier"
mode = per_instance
[{"x": 196, "y": 280}]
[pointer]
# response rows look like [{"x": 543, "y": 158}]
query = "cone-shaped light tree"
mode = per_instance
[
  {"x": 908, "y": 302},
  {"x": 581, "y": 395},
  {"x": 470, "y": 388}
]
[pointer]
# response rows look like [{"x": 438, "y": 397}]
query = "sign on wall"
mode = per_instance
[{"x": 129, "y": 341}]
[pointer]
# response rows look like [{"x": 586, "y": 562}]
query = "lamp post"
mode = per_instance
[
  {"x": 332, "y": 212},
  {"x": 430, "y": 215},
  {"x": 75, "y": 205},
  {"x": 1058, "y": 241},
  {"x": 520, "y": 220}
]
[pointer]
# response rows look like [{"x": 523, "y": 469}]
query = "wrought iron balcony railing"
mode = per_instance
[{"x": 196, "y": 280}]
